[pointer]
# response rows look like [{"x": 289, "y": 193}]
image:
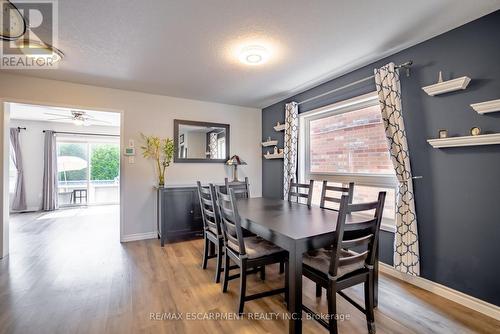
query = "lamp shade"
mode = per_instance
[{"x": 235, "y": 160}]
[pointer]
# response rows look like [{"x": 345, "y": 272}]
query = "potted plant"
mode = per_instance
[{"x": 162, "y": 151}]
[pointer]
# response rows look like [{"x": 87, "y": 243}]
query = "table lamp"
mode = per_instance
[{"x": 235, "y": 161}]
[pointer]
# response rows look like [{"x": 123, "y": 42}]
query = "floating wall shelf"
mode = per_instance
[
  {"x": 447, "y": 86},
  {"x": 280, "y": 127},
  {"x": 270, "y": 143},
  {"x": 490, "y": 139},
  {"x": 274, "y": 156},
  {"x": 486, "y": 107}
]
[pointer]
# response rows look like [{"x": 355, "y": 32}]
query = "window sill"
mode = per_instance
[{"x": 388, "y": 225}]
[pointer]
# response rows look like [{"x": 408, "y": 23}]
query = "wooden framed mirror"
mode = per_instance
[{"x": 196, "y": 141}]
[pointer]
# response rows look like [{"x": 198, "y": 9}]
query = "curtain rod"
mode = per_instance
[
  {"x": 83, "y": 134},
  {"x": 405, "y": 65},
  {"x": 20, "y": 128}
]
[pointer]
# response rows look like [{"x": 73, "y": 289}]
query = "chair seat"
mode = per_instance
[
  {"x": 256, "y": 247},
  {"x": 320, "y": 261}
]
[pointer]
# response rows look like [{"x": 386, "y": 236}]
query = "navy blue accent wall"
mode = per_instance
[{"x": 458, "y": 199}]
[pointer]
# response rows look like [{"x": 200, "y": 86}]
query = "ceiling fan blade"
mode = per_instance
[
  {"x": 98, "y": 120},
  {"x": 53, "y": 114},
  {"x": 58, "y": 119}
]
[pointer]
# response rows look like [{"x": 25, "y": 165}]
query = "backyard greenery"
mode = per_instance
[{"x": 104, "y": 161}]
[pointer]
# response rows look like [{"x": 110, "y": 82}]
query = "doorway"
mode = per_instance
[{"x": 87, "y": 154}]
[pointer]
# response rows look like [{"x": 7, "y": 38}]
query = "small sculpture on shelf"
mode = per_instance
[
  {"x": 443, "y": 133},
  {"x": 440, "y": 77},
  {"x": 475, "y": 131},
  {"x": 275, "y": 150}
]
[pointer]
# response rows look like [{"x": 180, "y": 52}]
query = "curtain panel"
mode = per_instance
[
  {"x": 50, "y": 201},
  {"x": 406, "y": 251},
  {"x": 19, "y": 198},
  {"x": 290, "y": 145}
]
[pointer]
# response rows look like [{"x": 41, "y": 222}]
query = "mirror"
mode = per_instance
[{"x": 200, "y": 141}]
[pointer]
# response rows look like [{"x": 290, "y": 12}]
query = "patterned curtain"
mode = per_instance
[
  {"x": 291, "y": 143},
  {"x": 213, "y": 146},
  {"x": 406, "y": 253}
]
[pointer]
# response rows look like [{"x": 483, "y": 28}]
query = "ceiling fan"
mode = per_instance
[{"x": 78, "y": 117}]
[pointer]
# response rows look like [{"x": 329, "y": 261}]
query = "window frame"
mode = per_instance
[{"x": 361, "y": 179}]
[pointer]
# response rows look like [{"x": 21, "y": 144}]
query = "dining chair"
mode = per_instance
[
  {"x": 294, "y": 191},
  {"x": 327, "y": 198},
  {"x": 212, "y": 233},
  {"x": 341, "y": 267},
  {"x": 241, "y": 188},
  {"x": 250, "y": 252}
]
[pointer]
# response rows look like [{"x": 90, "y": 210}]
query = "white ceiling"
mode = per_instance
[
  {"x": 184, "y": 48},
  {"x": 39, "y": 113}
]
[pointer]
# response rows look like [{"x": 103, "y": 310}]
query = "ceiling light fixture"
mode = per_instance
[
  {"x": 254, "y": 55},
  {"x": 12, "y": 23}
]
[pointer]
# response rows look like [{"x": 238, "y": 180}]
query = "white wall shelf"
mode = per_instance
[
  {"x": 274, "y": 156},
  {"x": 489, "y": 139},
  {"x": 447, "y": 86},
  {"x": 269, "y": 143},
  {"x": 486, "y": 107},
  {"x": 280, "y": 127}
]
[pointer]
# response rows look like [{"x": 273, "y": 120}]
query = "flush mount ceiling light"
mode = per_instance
[
  {"x": 12, "y": 23},
  {"x": 36, "y": 49},
  {"x": 254, "y": 55}
]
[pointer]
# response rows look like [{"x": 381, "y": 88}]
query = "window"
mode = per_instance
[
  {"x": 89, "y": 170},
  {"x": 346, "y": 142}
]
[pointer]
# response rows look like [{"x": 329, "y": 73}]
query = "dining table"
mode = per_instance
[{"x": 297, "y": 228}]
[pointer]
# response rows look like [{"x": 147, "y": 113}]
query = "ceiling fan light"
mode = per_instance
[{"x": 78, "y": 122}]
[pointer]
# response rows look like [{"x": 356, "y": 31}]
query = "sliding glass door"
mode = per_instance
[{"x": 88, "y": 170}]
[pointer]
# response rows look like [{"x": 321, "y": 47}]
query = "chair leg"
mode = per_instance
[
  {"x": 243, "y": 286},
  {"x": 332, "y": 308},
  {"x": 205, "y": 252},
  {"x": 318, "y": 290},
  {"x": 282, "y": 267},
  {"x": 227, "y": 264},
  {"x": 369, "y": 303},
  {"x": 218, "y": 269},
  {"x": 263, "y": 273}
]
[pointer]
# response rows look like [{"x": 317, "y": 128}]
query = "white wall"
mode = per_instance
[
  {"x": 32, "y": 142},
  {"x": 150, "y": 114}
]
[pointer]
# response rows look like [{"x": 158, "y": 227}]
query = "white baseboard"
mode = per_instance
[
  {"x": 461, "y": 298},
  {"x": 139, "y": 236}
]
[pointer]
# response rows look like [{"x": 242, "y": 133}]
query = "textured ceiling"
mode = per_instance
[{"x": 186, "y": 48}]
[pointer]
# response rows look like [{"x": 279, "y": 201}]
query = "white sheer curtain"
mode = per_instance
[
  {"x": 291, "y": 144},
  {"x": 406, "y": 251}
]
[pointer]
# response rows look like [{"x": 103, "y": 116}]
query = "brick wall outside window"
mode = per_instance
[{"x": 352, "y": 142}]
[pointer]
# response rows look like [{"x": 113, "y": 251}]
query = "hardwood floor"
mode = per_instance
[{"x": 68, "y": 273}]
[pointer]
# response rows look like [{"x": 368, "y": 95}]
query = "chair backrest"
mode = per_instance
[
  {"x": 241, "y": 188},
  {"x": 325, "y": 196},
  {"x": 209, "y": 209},
  {"x": 366, "y": 234},
  {"x": 294, "y": 190},
  {"x": 230, "y": 221}
]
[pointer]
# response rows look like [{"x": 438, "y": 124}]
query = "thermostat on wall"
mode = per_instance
[{"x": 129, "y": 151}]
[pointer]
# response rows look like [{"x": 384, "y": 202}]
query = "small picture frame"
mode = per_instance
[
  {"x": 181, "y": 139},
  {"x": 443, "y": 133}
]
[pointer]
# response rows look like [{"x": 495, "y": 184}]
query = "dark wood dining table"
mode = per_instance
[{"x": 296, "y": 228}]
